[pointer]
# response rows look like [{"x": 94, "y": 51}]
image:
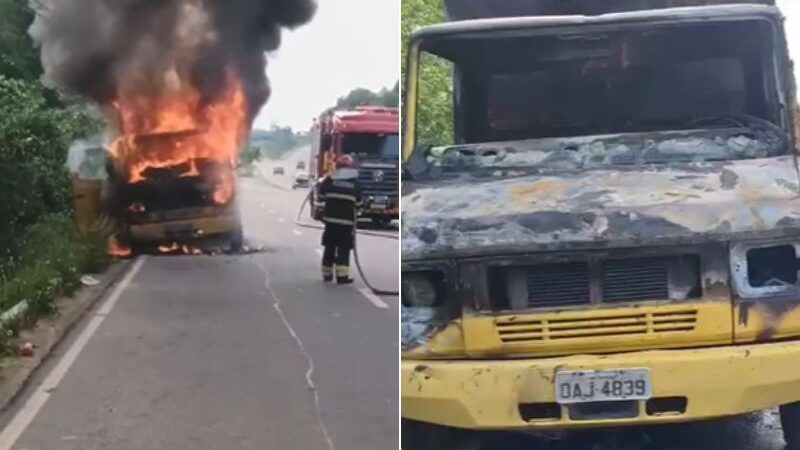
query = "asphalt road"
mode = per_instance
[{"x": 227, "y": 352}]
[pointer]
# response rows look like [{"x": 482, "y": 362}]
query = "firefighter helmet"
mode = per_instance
[{"x": 344, "y": 161}]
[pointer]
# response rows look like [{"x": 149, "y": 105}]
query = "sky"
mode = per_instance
[{"x": 348, "y": 44}]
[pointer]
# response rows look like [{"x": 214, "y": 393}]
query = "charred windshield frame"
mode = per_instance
[{"x": 442, "y": 40}]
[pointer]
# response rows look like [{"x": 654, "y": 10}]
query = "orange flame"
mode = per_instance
[
  {"x": 168, "y": 248},
  {"x": 179, "y": 129},
  {"x": 182, "y": 248},
  {"x": 116, "y": 249},
  {"x": 190, "y": 250}
]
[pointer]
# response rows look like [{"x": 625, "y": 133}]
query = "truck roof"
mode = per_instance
[
  {"x": 364, "y": 119},
  {"x": 681, "y": 14},
  {"x": 484, "y": 9}
]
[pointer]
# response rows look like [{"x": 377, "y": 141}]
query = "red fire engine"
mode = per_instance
[{"x": 370, "y": 135}]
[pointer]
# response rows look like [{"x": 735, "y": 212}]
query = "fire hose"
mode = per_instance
[{"x": 315, "y": 226}]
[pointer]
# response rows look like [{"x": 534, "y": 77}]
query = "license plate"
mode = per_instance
[
  {"x": 603, "y": 386},
  {"x": 378, "y": 206}
]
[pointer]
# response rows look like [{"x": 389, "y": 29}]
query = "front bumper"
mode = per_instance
[
  {"x": 380, "y": 209},
  {"x": 487, "y": 395},
  {"x": 391, "y": 213},
  {"x": 185, "y": 227}
]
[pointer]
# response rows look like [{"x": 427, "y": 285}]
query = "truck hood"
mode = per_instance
[{"x": 602, "y": 208}]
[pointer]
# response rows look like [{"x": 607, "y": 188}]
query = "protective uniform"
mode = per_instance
[{"x": 341, "y": 193}]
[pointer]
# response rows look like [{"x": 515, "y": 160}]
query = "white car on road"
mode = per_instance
[{"x": 300, "y": 179}]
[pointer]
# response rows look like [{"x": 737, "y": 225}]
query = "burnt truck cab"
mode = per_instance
[
  {"x": 191, "y": 203},
  {"x": 612, "y": 235},
  {"x": 371, "y": 135}
]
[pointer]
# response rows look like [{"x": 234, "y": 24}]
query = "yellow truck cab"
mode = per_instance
[
  {"x": 191, "y": 204},
  {"x": 611, "y": 236}
]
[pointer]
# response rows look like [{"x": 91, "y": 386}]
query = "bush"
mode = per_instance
[
  {"x": 53, "y": 257},
  {"x": 34, "y": 138}
]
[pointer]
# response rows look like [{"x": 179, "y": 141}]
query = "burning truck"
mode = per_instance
[
  {"x": 180, "y": 82},
  {"x": 172, "y": 170},
  {"x": 370, "y": 135}
]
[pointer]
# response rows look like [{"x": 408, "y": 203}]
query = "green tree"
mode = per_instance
[
  {"x": 277, "y": 141},
  {"x": 249, "y": 154},
  {"x": 33, "y": 141},
  {"x": 36, "y": 129},
  {"x": 361, "y": 97},
  {"x": 18, "y": 58},
  {"x": 434, "y": 121},
  {"x": 391, "y": 97}
]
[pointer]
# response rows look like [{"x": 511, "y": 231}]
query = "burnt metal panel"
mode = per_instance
[
  {"x": 479, "y": 9},
  {"x": 635, "y": 207}
]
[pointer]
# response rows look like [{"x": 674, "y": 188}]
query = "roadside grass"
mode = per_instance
[{"x": 51, "y": 257}]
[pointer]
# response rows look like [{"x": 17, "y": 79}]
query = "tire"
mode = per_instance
[
  {"x": 236, "y": 240},
  {"x": 790, "y": 422},
  {"x": 125, "y": 241},
  {"x": 425, "y": 436},
  {"x": 143, "y": 248}
]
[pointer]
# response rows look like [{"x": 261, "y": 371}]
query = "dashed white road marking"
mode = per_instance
[
  {"x": 318, "y": 251},
  {"x": 37, "y": 400},
  {"x": 280, "y": 219},
  {"x": 374, "y": 299},
  {"x": 297, "y": 232},
  {"x": 272, "y": 211}
]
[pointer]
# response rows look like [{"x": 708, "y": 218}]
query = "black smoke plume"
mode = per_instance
[{"x": 95, "y": 48}]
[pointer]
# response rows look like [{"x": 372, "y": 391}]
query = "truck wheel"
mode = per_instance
[
  {"x": 236, "y": 240},
  {"x": 790, "y": 422},
  {"x": 425, "y": 436}
]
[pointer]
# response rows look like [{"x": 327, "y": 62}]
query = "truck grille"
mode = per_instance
[
  {"x": 559, "y": 284},
  {"x": 382, "y": 180},
  {"x": 554, "y": 328},
  {"x": 635, "y": 279},
  {"x": 602, "y": 281}
]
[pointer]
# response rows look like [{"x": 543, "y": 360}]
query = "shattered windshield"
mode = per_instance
[{"x": 622, "y": 96}]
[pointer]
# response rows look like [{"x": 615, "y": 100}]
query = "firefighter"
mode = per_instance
[{"x": 341, "y": 195}]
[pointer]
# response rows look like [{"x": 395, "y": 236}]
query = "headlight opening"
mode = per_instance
[
  {"x": 765, "y": 269},
  {"x": 425, "y": 288}
]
